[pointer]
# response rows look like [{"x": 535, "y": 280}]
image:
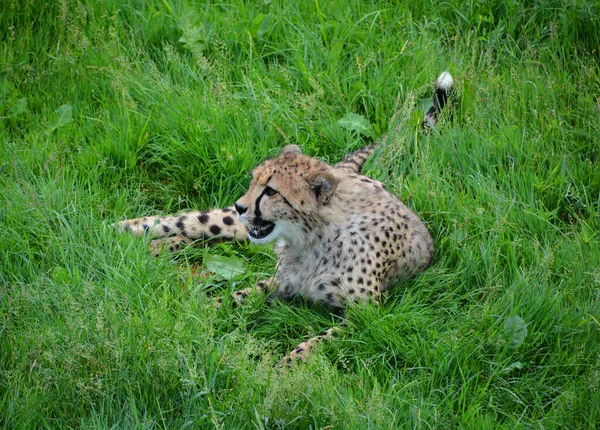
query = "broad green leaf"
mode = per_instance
[
  {"x": 227, "y": 267},
  {"x": 357, "y": 123},
  {"x": 265, "y": 26},
  {"x": 512, "y": 366},
  {"x": 18, "y": 107},
  {"x": 515, "y": 330},
  {"x": 256, "y": 24},
  {"x": 60, "y": 274},
  {"x": 64, "y": 115}
]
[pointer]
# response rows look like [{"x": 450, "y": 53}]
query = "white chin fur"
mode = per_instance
[{"x": 445, "y": 81}]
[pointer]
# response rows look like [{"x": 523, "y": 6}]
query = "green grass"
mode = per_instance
[{"x": 118, "y": 109}]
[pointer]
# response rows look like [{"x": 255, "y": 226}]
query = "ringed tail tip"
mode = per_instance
[{"x": 444, "y": 82}]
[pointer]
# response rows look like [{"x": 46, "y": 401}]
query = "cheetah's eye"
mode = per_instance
[{"x": 270, "y": 191}]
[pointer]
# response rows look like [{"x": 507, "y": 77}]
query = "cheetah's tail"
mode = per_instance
[
  {"x": 354, "y": 161},
  {"x": 443, "y": 87}
]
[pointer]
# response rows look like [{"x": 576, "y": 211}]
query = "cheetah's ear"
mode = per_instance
[
  {"x": 323, "y": 184},
  {"x": 291, "y": 149}
]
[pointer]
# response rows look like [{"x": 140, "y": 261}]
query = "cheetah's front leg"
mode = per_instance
[
  {"x": 177, "y": 231},
  {"x": 261, "y": 287}
]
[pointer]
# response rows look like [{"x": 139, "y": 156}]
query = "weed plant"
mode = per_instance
[{"x": 117, "y": 109}]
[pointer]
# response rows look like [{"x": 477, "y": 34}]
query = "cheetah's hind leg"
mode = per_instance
[
  {"x": 172, "y": 243},
  {"x": 302, "y": 351}
]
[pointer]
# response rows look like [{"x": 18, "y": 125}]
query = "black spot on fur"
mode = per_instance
[
  {"x": 179, "y": 224},
  {"x": 203, "y": 218},
  {"x": 215, "y": 229},
  {"x": 228, "y": 220}
]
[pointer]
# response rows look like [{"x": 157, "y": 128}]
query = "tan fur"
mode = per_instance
[{"x": 340, "y": 236}]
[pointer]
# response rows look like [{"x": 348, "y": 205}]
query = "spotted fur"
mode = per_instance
[
  {"x": 340, "y": 236},
  {"x": 174, "y": 232}
]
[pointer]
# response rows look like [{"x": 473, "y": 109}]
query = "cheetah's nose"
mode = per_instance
[{"x": 241, "y": 209}]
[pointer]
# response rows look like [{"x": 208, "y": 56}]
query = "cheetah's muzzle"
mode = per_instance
[{"x": 260, "y": 229}]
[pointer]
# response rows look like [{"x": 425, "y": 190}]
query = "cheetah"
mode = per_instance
[{"x": 340, "y": 237}]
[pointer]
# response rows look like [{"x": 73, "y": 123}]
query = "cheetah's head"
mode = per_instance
[{"x": 285, "y": 197}]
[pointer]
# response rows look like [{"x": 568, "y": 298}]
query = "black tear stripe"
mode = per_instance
[
  {"x": 257, "y": 204},
  {"x": 257, "y": 208}
]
